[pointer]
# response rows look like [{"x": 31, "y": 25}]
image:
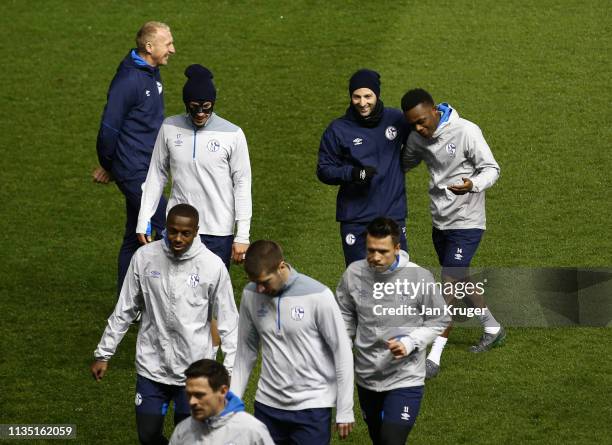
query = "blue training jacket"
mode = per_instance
[
  {"x": 132, "y": 117},
  {"x": 346, "y": 144}
]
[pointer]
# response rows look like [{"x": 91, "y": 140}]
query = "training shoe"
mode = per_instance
[
  {"x": 489, "y": 341},
  {"x": 431, "y": 369}
]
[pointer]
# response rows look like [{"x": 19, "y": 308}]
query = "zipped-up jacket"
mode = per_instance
[
  {"x": 346, "y": 144},
  {"x": 306, "y": 353},
  {"x": 210, "y": 170},
  {"x": 365, "y": 308},
  {"x": 132, "y": 116},
  {"x": 456, "y": 150},
  {"x": 232, "y": 426},
  {"x": 178, "y": 297}
]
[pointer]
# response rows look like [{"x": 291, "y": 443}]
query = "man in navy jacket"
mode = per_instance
[
  {"x": 132, "y": 116},
  {"x": 360, "y": 152}
]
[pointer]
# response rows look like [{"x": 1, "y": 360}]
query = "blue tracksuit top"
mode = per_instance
[
  {"x": 346, "y": 144},
  {"x": 132, "y": 117}
]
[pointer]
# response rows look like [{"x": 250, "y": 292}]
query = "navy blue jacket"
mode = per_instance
[
  {"x": 346, "y": 144},
  {"x": 132, "y": 117}
]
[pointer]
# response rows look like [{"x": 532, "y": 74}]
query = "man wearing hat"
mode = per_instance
[
  {"x": 360, "y": 152},
  {"x": 208, "y": 159}
]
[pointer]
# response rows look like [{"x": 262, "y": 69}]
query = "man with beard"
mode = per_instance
[{"x": 360, "y": 152}]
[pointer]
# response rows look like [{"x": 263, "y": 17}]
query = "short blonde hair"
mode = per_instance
[{"x": 147, "y": 33}]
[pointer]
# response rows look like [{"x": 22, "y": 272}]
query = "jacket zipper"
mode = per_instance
[
  {"x": 278, "y": 322},
  {"x": 194, "y": 143}
]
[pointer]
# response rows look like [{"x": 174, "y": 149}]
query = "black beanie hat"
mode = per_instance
[
  {"x": 199, "y": 86},
  {"x": 365, "y": 78}
]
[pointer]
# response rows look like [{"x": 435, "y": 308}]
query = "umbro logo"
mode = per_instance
[{"x": 357, "y": 141}]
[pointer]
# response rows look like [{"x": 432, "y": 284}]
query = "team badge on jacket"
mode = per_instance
[
  {"x": 451, "y": 149},
  {"x": 194, "y": 280},
  {"x": 391, "y": 132},
  {"x": 213, "y": 145},
  {"x": 297, "y": 313},
  {"x": 350, "y": 239}
]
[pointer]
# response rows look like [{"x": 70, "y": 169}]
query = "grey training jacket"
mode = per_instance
[
  {"x": 457, "y": 150},
  {"x": 367, "y": 312},
  {"x": 177, "y": 297}
]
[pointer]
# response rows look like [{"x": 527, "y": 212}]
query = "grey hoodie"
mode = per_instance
[
  {"x": 456, "y": 150},
  {"x": 177, "y": 297},
  {"x": 365, "y": 309}
]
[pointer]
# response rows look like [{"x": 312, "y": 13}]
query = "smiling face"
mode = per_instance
[
  {"x": 424, "y": 118},
  {"x": 160, "y": 47},
  {"x": 364, "y": 101},
  {"x": 200, "y": 112},
  {"x": 181, "y": 231},
  {"x": 381, "y": 252},
  {"x": 203, "y": 400}
]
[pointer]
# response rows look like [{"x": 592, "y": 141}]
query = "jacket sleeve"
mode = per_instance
[
  {"x": 248, "y": 347},
  {"x": 333, "y": 331},
  {"x": 332, "y": 169},
  {"x": 129, "y": 304},
  {"x": 227, "y": 318},
  {"x": 410, "y": 156},
  {"x": 153, "y": 187},
  {"x": 432, "y": 325},
  {"x": 481, "y": 157},
  {"x": 121, "y": 98},
  {"x": 347, "y": 305},
  {"x": 240, "y": 170}
]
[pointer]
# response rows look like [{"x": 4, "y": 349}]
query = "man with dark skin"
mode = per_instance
[
  {"x": 177, "y": 284},
  {"x": 461, "y": 166}
]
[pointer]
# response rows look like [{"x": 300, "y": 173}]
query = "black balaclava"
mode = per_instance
[{"x": 199, "y": 86}]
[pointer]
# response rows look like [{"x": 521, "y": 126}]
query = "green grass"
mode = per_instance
[{"x": 533, "y": 75}]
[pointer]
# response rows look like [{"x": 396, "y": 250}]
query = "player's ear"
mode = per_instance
[{"x": 224, "y": 390}]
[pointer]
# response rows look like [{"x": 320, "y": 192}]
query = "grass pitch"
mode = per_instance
[{"x": 533, "y": 75}]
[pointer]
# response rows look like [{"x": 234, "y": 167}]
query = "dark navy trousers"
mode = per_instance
[
  {"x": 390, "y": 415},
  {"x": 132, "y": 190},
  {"x": 302, "y": 427}
]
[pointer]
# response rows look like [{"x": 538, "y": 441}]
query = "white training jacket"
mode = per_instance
[
  {"x": 306, "y": 353},
  {"x": 177, "y": 297},
  {"x": 456, "y": 150},
  {"x": 210, "y": 170}
]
